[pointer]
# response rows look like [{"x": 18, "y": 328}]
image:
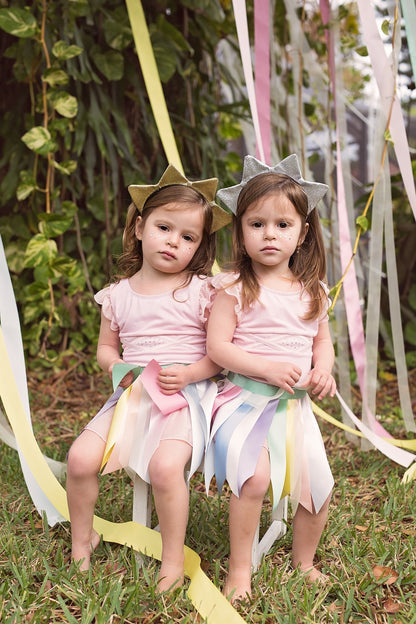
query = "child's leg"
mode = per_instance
[
  {"x": 244, "y": 518},
  {"x": 84, "y": 461},
  {"x": 307, "y": 531},
  {"x": 166, "y": 471}
]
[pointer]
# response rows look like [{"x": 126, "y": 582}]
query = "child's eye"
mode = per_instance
[
  {"x": 164, "y": 228},
  {"x": 283, "y": 225},
  {"x": 188, "y": 238},
  {"x": 257, "y": 224}
]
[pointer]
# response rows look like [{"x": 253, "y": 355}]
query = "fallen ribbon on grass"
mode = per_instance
[
  {"x": 390, "y": 447},
  {"x": 205, "y": 597}
]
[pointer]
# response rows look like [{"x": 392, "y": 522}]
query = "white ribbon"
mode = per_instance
[
  {"x": 12, "y": 337},
  {"x": 240, "y": 14}
]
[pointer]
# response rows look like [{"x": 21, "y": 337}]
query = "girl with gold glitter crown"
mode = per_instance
[{"x": 156, "y": 310}]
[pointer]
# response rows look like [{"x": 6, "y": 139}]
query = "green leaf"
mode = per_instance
[
  {"x": 39, "y": 140},
  {"x": 110, "y": 63},
  {"x": 65, "y": 104},
  {"x": 26, "y": 186},
  {"x": 362, "y": 222},
  {"x": 412, "y": 297},
  {"x": 385, "y": 27},
  {"x": 410, "y": 333},
  {"x": 55, "y": 77},
  {"x": 52, "y": 225},
  {"x": 40, "y": 250},
  {"x": 230, "y": 127},
  {"x": 117, "y": 30},
  {"x": 69, "y": 209},
  {"x": 165, "y": 55},
  {"x": 18, "y": 22},
  {"x": 362, "y": 50},
  {"x": 64, "y": 51},
  {"x": 387, "y": 136},
  {"x": 66, "y": 166}
]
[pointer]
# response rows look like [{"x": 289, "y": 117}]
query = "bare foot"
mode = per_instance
[
  {"x": 237, "y": 587},
  {"x": 312, "y": 575},
  {"x": 82, "y": 552},
  {"x": 170, "y": 576}
]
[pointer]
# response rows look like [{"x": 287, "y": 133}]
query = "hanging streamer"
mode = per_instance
[
  {"x": 385, "y": 79},
  {"x": 262, "y": 73},
  {"x": 381, "y": 197},
  {"x": 351, "y": 294},
  {"x": 409, "y": 14},
  {"x": 10, "y": 323},
  {"x": 240, "y": 14},
  {"x": 152, "y": 81}
]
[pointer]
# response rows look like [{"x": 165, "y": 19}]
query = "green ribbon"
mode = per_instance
[{"x": 264, "y": 389}]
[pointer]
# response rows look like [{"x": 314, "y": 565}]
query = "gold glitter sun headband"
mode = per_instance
[
  {"x": 289, "y": 166},
  {"x": 140, "y": 192}
]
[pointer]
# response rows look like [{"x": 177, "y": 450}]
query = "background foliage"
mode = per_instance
[{"x": 76, "y": 128}]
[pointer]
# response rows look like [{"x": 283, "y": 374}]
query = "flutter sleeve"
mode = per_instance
[
  {"x": 206, "y": 299},
  {"x": 103, "y": 298},
  {"x": 327, "y": 303},
  {"x": 227, "y": 282}
]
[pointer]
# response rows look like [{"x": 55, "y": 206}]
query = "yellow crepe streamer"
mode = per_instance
[
  {"x": 206, "y": 598},
  {"x": 152, "y": 81},
  {"x": 406, "y": 444},
  {"x": 115, "y": 425}
]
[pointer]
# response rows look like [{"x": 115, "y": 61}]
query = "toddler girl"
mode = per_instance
[
  {"x": 267, "y": 327},
  {"x": 156, "y": 310}
]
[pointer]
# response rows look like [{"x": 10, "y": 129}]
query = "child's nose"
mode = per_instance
[
  {"x": 173, "y": 239},
  {"x": 269, "y": 231}
]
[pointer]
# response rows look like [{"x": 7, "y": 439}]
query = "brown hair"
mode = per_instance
[
  {"x": 308, "y": 264},
  {"x": 131, "y": 260}
]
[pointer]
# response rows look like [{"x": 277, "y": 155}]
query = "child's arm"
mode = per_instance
[
  {"x": 173, "y": 378},
  {"x": 320, "y": 379},
  {"x": 108, "y": 350},
  {"x": 221, "y": 327}
]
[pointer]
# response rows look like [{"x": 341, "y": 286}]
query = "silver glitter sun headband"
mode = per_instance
[{"x": 289, "y": 166}]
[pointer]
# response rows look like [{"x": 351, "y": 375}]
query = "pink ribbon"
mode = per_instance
[
  {"x": 167, "y": 403},
  {"x": 262, "y": 73}
]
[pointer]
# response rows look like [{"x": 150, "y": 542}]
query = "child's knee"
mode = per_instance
[
  {"x": 257, "y": 485},
  {"x": 84, "y": 460},
  {"x": 163, "y": 471}
]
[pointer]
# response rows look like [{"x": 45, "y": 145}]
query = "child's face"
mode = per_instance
[
  {"x": 170, "y": 236},
  {"x": 272, "y": 230}
]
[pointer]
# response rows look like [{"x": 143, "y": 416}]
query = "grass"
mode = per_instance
[{"x": 371, "y": 524}]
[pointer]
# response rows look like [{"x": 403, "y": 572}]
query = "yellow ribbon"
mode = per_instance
[
  {"x": 206, "y": 598},
  {"x": 406, "y": 444},
  {"x": 152, "y": 81}
]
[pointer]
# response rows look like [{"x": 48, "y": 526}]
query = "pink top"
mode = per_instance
[
  {"x": 273, "y": 326},
  {"x": 167, "y": 327}
]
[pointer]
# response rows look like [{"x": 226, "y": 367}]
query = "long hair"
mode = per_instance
[
  {"x": 131, "y": 260},
  {"x": 308, "y": 263}
]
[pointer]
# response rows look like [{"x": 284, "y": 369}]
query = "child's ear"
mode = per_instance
[
  {"x": 138, "y": 230},
  {"x": 303, "y": 235}
]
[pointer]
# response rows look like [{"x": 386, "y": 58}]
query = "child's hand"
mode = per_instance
[
  {"x": 127, "y": 379},
  {"x": 283, "y": 374},
  {"x": 320, "y": 382},
  {"x": 173, "y": 378}
]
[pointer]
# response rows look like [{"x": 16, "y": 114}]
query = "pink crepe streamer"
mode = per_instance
[
  {"x": 167, "y": 403},
  {"x": 383, "y": 73},
  {"x": 262, "y": 73},
  {"x": 240, "y": 14}
]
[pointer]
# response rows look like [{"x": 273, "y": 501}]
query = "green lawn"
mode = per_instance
[{"x": 371, "y": 524}]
